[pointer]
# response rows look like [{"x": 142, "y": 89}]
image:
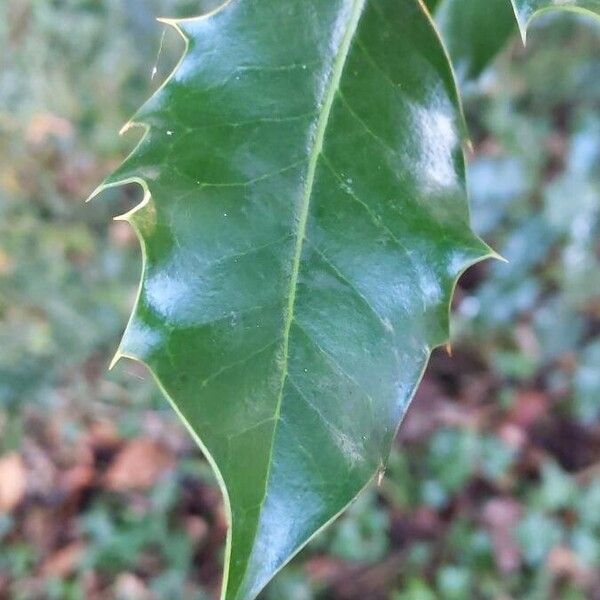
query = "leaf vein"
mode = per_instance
[
  {"x": 333, "y": 362},
  {"x": 374, "y": 217},
  {"x": 352, "y": 285},
  {"x": 235, "y": 364}
]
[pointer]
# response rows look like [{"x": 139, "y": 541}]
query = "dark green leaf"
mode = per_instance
[
  {"x": 303, "y": 226},
  {"x": 432, "y": 5},
  {"x": 474, "y": 32}
]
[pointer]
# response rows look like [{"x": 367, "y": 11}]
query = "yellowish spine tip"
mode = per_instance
[
  {"x": 125, "y": 128},
  {"x": 115, "y": 359},
  {"x": 95, "y": 193},
  {"x": 168, "y": 21},
  {"x": 499, "y": 257}
]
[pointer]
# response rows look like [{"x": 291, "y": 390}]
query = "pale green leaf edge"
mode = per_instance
[
  {"x": 524, "y": 23},
  {"x": 131, "y": 124}
]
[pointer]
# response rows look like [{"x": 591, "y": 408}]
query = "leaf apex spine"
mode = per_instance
[
  {"x": 115, "y": 359},
  {"x": 95, "y": 193},
  {"x": 496, "y": 256}
]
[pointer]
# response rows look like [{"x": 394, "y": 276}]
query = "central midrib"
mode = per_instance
[
  {"x": 321, "y": 127},
  {"x": 317, "y": 147}
]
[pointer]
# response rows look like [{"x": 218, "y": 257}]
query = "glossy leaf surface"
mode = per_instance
[
  {"x": 432, "y": 5},
  {"x": 303, "y": 226}
]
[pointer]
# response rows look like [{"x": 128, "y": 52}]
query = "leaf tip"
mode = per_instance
[
  {"x": 167, "y": 21},
  {"x": 115, "y": 359},
  {"x": 175, "y": 24},
  {"x": 125, "y": 128},
  {"x": 495, "y": 256},
  {"x": 95, "y": 193},
  {"x": 523, "y": 33},
  {"x": 522, "y": 22}
]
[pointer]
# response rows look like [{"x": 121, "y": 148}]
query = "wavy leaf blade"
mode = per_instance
[{"x": 304, "y": 223}]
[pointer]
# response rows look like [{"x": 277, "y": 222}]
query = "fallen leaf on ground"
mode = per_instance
[
  {"x": 564, "y": 562},
  {"x": 502, "y": 516},
  {"x": 103, "y": 434},
  {"x": 529, "y": 407},
  {"x": 13, "y": 481},
  {"x": 131, "y": 587},
  {"x": 64, "y": 562},
  {"x": 139, "y": 465},
  {"x": 44, "y": 125},
  {"x": 197, "y": 528}
]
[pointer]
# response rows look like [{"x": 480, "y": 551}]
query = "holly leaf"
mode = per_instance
[
  {"x": 526, "y": 10},
  {"x": 474, "y": 32},
  {"x": 303, "y": 226}
]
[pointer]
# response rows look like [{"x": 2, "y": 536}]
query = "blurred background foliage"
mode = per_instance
[{"x": 493, "y": 490}]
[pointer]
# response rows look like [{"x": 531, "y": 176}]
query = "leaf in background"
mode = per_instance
[
  {"x": 303, "y": 226},
  {"x": 474, "y": 32},
  {"x": 527, "y": 9}
]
